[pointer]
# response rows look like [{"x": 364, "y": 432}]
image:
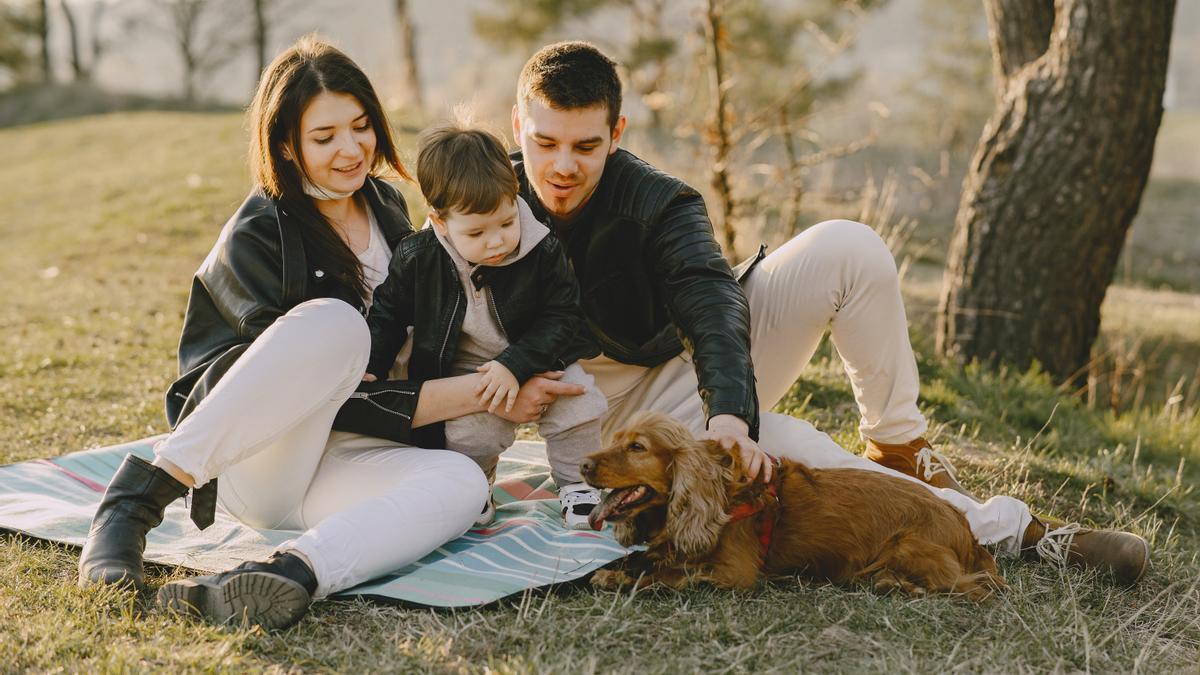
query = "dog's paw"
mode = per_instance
[{"x": 610, "y": 580}]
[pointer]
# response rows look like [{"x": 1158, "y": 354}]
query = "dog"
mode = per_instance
[{"x": 703, "y": 519}]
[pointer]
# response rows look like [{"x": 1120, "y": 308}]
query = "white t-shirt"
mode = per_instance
[{"x": 375, "y": 258}]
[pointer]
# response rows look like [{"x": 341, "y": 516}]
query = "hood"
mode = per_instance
[{"x": 532, "y": 234}]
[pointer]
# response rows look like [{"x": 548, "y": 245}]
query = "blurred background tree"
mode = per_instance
[
  {"x": 87, "y": 47},
  {"x": 520, "y": 27},
  {"x": 949, "y": 99},
  {"x": 407, "y": 49},
  {"x": 1056, "y": 180},
  {"x": 206, "y": 34},
  {"x": 749, "y": 76},
  {"x": 24, "y": 53},
  {"x": 822, "y": 109}
]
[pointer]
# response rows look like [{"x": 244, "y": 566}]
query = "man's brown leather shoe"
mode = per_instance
[
  {"x": 918, "y": 459},
  {"x": 1124, "y": 554}
]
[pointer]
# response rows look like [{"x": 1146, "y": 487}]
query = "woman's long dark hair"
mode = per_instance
[{"x": 288, "y": 85}]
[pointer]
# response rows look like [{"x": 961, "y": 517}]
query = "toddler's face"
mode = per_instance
[{"x": 482, "y": 238}]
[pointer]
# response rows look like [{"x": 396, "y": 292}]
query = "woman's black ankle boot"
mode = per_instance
[
  {"x": 273, "y": 594},
  {"x": 132, "y": 505}
]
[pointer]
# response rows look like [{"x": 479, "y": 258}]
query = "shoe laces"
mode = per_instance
[
  {"x": 935, "y": 463},
  {"x": 1054, "y": 544}
]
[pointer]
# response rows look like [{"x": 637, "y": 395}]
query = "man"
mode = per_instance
[{"x": 680, "y": 331}]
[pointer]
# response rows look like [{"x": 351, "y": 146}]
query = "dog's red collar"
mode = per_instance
[{"x": 767, "y": 527}]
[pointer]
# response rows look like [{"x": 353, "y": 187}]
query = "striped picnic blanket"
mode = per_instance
[{"x": 526, "y": 547}]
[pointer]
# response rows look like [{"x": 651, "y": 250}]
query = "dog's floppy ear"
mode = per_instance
[{"x": 696, "y": 510}]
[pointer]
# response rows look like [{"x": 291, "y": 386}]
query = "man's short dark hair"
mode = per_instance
[{"x": 570, "y": 76}]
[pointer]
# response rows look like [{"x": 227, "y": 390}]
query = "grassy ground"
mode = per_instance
[{"x": 104, "y": 220}]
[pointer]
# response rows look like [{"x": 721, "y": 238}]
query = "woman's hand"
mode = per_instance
[{"x": 535, "y": 396}]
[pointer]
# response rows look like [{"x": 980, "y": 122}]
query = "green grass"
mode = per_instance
[{"x": 124, "y": 207}]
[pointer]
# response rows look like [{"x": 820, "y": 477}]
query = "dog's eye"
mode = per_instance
[{"x": 635, "y": 447}]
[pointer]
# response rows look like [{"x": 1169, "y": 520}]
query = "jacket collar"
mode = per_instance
[{"x": 390, "y": 215}]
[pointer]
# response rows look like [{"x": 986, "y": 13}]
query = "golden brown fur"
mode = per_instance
[{"x": 840, "y": 525}]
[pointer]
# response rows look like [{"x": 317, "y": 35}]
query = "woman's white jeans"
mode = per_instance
[
  {"x": 837, "y": 275},
  {"x": 366, "y": 506}
]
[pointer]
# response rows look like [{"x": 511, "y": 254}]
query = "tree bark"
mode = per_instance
[
  {"x": 1020, "y": 33},
  {"x": 1055, "y": 181},
  {"x": 719, "y": 123},
  {"x": 408, "y": 55}
]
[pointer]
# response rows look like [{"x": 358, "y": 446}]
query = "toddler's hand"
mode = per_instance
[
  {"x": 497, "y": 386},
  {"x": 369, "y": 378}
]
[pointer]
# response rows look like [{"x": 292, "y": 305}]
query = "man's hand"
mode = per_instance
[
  {"x": 498, "y": 386},
  {"x": 731, "y": 431},
  {"x": 536, "y": 395}
]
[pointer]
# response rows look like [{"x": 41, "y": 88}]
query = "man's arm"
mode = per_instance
[
  {"x": 708, "y": 307},
  {"x": 712, "y": 314}
]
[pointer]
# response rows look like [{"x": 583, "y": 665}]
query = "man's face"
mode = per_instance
[{"x": 564, "y": 152}]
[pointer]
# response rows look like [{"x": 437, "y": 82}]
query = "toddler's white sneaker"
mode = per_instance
[{"x": 578, "y": 500}]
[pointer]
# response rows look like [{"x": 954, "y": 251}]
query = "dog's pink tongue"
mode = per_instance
[{"x": 604, "y": 510}]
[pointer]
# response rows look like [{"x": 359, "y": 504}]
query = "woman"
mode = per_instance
[{"x": 273, "y": 343}]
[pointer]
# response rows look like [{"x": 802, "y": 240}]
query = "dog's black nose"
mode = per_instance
[{"x": 586, "y": 467}]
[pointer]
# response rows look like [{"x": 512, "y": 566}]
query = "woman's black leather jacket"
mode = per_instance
[{"x": 256, "y": 272}]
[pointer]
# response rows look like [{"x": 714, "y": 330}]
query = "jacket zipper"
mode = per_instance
[
  {"x": 496, "y": 313},
  {"x": 367, "y": 397},
  {"x": 449, "y": 327}
]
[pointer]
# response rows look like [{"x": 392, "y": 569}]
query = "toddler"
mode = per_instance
[{"x": 486, "y": 289}]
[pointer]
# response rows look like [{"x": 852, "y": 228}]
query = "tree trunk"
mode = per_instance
[
  {"x": 1056, "y": 180},
  {"x": 98, "y": 44},
  {"x": 260, "y": 36},
  {"x": 43, "y": 27},
  {"x": 408, "y": 55},
  {"x": 1020, "y": 33},
  {"x": 718, "y": 135},
  {"x": 78, "y": 67}
]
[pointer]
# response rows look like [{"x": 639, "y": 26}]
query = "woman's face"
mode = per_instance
[{"x": 337, "y": 143}]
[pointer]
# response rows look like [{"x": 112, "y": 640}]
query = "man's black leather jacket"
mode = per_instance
[
  {"x": 653, "y": 281},
  {"x": 256, "y": 272},
  {"x": 536, "y": 300}
]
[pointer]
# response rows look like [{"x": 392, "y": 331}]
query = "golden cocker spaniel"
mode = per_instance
[{"x": 703, "y": 519}]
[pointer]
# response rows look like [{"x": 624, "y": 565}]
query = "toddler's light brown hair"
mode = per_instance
[{"x": 464, "y": 169}]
